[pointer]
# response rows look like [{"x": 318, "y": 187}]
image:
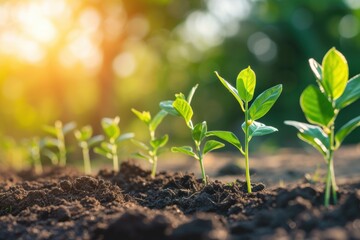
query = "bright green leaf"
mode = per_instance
[
  {"x": 264, "y": 102},
  {"x": 245, "y": 84},
  {"x": 50, "y": 129},
  {"x": 110, "y": 127},
  {"x": 160, "y": 142},
  {"x": 185, "y": 150},
  {"x": 316, "y": 106},
  {"x": 226, "y": 136},
  {"x": 259, "y": 129},
  {"x": 345, "y": 130},
  {"x": 167, "y": 106},
  {"x": 140, "y": 144},
  {"x": 142, "y": 156},
  {"x": 335, "y": 73},
  {"x": 199, "y": 131},
  {"x": 95, "y": 140},
  {"x": 351, "y": 93},
  {"x": 157, "y": 120},
  {"x": 316, "y": 68},
  {"x": 124, "y": 137},
  {"x": 185, "y": 110},
  {"x": 212, "y": 145},
  {"x": 143, "y": 116},
  {"x": 102, "y": 152},
  {"x": 50, "y": 142},
  {"x": 232, "y": 90},
  {"x": 191, "y": 93},
  {"x": 51, "y": 155},
  {"x": 312, "y": 135}
]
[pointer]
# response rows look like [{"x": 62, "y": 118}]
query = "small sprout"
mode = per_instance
[
  {"x": 58, "y": 132},
  {"x": 34, "y": 147},
  {"x": 244, "y": 93},
  {"x": 109, "y": 148},
  {"x": 181, "y": 107},
  {"x": 86, "y": 141},
  {"x": 152, "y": 150},
  {"x": 321, "y": 106}
]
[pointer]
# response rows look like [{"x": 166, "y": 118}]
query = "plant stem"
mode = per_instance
[
  {"x": 86, "y": 157},
  {"x": 154, "y": 166},
  {"x": 61, "y": 138},
  {"x": 203, "y": 174},
  {"x": 247, "y": 167},
  {"x": 330, "y": 177},
  {"x": 35, "y": 152},
  {"x": 115, "y": 157}
]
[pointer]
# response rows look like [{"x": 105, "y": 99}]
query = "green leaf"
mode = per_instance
[
  {"x": 259, "y": 129},
  {"x": 69, "y": 127},
  {"x": 160, "y": 142},
  {"x": 142, "y": 156},
  {"x": 102, "y": 152},
  {"x": 95, "y": 140},
  {"x": 110, "y": 127},
  {"x": 232, "y": 90},
  {"x": 191, "y": 93},
  {"x": 140, "y": 144},
  {"x": 316, "y": 107},
  {"x": 345, "y": 130},
  {"x": 199, "y": 131},
  {"x": 264, "y": 102},
  {"x": 51, "y": 155},
  {"x": 212, "y": 145},
  {"x": 245, "y": 84},
  {"x": 124, "y": 137},
  {"x": 335, "y": 73},
  {"x": 185, "y": 110},
  {"x": 316, "y": 68},
  {"x": 157, "y": 120},
  {"x": 84, "y": 133},
  {"x": 312, "y": 135},
  {"x": 50, "y": 142},
  {"x": 226, "y": 136},
  {"x": 185, "y": 150},
  {"x": 351, "y": 93},
  {"x": 143, "y": 116},
  {"x": 167, "y": 106},
  {"x": 50, "y": 130}
]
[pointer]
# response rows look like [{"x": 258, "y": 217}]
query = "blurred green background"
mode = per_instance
[{"x": 84, "y": 60}]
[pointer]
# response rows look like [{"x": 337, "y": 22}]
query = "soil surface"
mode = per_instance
[{"x": 64, "y": 204}]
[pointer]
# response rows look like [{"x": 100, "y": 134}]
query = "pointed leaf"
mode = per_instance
[
  {"x": 168, "y": 107},
  {"x": 185, "y": 150},
  {"x": 69, "y": 127},
  {"x": 102, "y": 152},
  {"x": 50, "y": 142},
  {"x": 157, "y": 120},
  {"x": 313, "y": 135},
  {"x": 95, "y": 140},
  {"x": 199, "y": 131},
  {"x": 124, "y": 137},
  {"x": 143, "y": 116},
  {"x": 140, "y": 144},
  {"x": 264, "y": 102},
  {"x": 227, "y": 136},
  {"x": 245, "y": 84},
  {"x": 345, "y": 130},
  {"x": 191, "y": 93},
  {"x": 335, "y": 73},
  {"x": 185, "y": 110},
  {"x": 351, "y": 93},
  {"x": 232, "y": 90},
  {"x": 316, "y": 106},
  {"x": 50, "y": 129},
  {"x": 316, "y": 68},
  {"x": 110, "y": 127},
  {"x": 212, "y": 145},
  {"x": 259, "y": 129},
  {"x": 142, "y": 156},
  {"x": 51, "y": 155},
  {"x": 160, "y": 142}
]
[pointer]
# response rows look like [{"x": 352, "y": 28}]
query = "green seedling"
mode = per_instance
[
  {"x": 321, "y": 106},
  {"x": 34, "y": 148},
  {"x": 181, "y": 107},
  {"x": 58, "y": 132},
  {"x": 109, "y": 148},
  {"x": 86, "y": 141},
  {"x": 153, "y": 149},
  {"x": 244, "y": 93}
]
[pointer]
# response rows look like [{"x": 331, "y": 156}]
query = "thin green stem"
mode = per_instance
[
  {"x": 35, "y": 152},
  {"x": 330, "y": 178},
  {"x": 154, "y": 166},
  {"x": 86, "y": 157},
  {"x": 115, "y": 157},
  {"x": 203, "y": 174},
  {"x": 247, "y": 167}
]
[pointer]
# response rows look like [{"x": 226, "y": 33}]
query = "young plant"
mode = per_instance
[
  {"x": 113, "y": 134},
  {"x": 244, "y": 93},
  {"x": 155, "y": 144},
  {"x": 86, "y": 141},
  {"x": 34, "y": 148},
  {"x": 321, "y": 106},
  {"x": 58, "y": 132},
  {"x": 181, "y": 107}
]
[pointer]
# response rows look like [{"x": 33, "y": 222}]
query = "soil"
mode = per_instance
[{"x": 64, "y": 204}]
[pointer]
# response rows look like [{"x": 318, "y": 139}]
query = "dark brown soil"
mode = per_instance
[{"x": 130, "y": 205}]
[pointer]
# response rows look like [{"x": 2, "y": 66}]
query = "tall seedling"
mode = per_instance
[
  {"x": 58, "y": 132},
  {"x": 151, "y": 151},
  {"x": 244, "y": 93},
  {"x": 86, "y": 140},
  {"x": 181, "y": 107},
  {"x": 109, "y": 147},
  {"x": 321, "y": 106}
]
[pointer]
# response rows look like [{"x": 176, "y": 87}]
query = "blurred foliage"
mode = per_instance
[{"x": 85, "y": 60}]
